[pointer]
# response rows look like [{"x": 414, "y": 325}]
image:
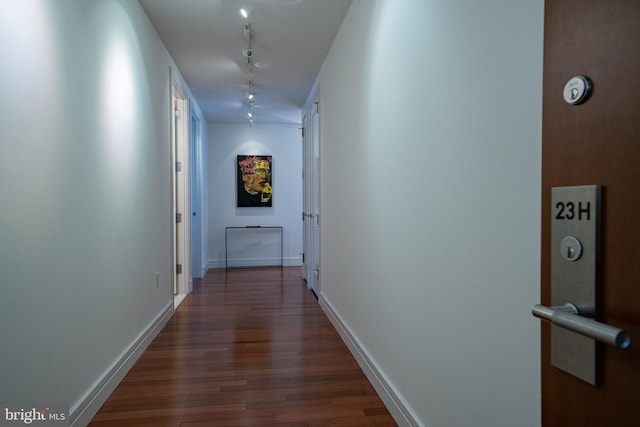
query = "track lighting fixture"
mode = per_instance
[{"x": 248, "y": 34}]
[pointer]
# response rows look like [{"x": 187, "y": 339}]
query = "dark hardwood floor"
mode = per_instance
[{"x": 246, "y": 348}]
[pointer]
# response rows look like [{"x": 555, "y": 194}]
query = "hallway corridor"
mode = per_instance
[{"x": 246, "y": 348}]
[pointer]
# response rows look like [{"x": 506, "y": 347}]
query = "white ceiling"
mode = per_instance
[{"x": 291, "y": 39}]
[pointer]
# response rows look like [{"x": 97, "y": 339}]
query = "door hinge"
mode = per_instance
[
  {"x": 303, "y": 257},
  {"x": 302, "y": 132},
  {"x": 178, "y": 166},
  {"x": 178, "y": 218},
  {"x": 178, "y": 268}
]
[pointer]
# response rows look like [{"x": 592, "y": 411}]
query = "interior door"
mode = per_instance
[
  {"x": 196, "y": 216},
  {"x": 307, "y": 202},
  {"x": 596, "y": 142},
  {"x": 311, "y": 214},
  {"x": 181, "y": 207},
  {"x": 178, "y": 249},
  {"x": 315, "y": 213}
]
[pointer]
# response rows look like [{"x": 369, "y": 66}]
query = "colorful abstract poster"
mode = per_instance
[{"x": 254, "y": 181}]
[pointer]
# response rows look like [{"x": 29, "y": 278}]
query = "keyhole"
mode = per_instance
[
  {"x": 570, "y": 248},
  {"x": 574, "y": 93}
]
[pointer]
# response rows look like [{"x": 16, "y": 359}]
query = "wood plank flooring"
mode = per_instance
[{"x": 246, "y": 348}]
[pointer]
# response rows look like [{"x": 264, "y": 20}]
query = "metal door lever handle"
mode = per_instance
[{"x": 568, "y": 316}]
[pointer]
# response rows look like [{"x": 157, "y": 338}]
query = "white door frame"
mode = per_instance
[
  {"x": 306, "y": 198},
  {"x": 196, "y": 200},
  {"x": 311, "y": 214},
  {"x": 315, "y": 195},
  {"x": 180, "y": 195}
]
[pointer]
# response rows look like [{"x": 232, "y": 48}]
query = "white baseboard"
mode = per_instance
[
  {"x": 214, "y": 264},
  {"x": 202, "y": 272},
  {"x": 220, "y": 263},
  {"x": 177, "y": 300},
  {"x": 86, "y": 408},
  {"x": 394, "y": 402}
]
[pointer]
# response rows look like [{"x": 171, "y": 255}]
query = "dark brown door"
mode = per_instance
[{"x": 596, "y": 142}]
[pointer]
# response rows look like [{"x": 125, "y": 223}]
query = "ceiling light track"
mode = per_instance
[{"x": 248, "y": 52}]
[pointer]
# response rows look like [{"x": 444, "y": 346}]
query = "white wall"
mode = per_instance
[
  {"x": 284, "y": 143},
  {"x": 430, "y": 190},
  {"x": 85, "y": 218}
]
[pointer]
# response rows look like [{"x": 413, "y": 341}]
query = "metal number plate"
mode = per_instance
[{"x": 575, "y": 234}]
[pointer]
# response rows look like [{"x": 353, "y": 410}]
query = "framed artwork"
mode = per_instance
[{"x": 254, "y": 181}]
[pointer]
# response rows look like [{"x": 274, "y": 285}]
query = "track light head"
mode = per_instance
[{"x": 246, "y": 10}]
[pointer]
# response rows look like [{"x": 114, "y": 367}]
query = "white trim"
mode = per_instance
[
  {"x": 85, "y": 408},
  {"x": 180, "y": 146},
  {"x": 214, "y": 264},
  {"x": 393, "y": 400},
  {"x": 195, "y": 202},
  {"x": 177, "y": 299},
  {"x": 203, "y": 270},
  {"x": 252, "y": 262}
]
